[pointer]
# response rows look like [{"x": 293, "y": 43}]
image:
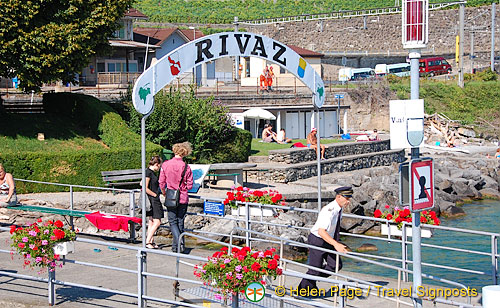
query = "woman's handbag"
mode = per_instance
[
  {"x": 172, "y": 195},
  {"x": 148, "y": 203}
]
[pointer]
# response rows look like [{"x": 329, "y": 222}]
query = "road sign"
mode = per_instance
[
  {"x": 404, "y": 184},
  {"x": 421, "y": 184},
  {"x": 339, "y": 96}
]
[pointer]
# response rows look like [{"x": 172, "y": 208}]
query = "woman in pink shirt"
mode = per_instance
[{"x": 170, "y": 176}]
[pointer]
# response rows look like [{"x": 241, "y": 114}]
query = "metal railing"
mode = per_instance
[
  {"x": 249, "y": 236},
  {"x": 494, "y": 255},
  {"x": 71, "y": 187},
  {"x": 117, "y": 78},
  {"x": 341, "y": 14}
]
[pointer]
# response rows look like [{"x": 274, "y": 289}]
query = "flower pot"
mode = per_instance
[
  {"x": 254, "y": 211},
  {"x": 396, "y": 232},
  {"x": 64, "y": 248}
]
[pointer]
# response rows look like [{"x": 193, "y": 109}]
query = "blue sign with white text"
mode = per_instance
[
  {"x": 213, "y": 208},
  {"x": 339, "y": 96}
]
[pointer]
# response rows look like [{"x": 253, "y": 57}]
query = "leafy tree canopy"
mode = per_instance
[{"x": 42, "y": 41}]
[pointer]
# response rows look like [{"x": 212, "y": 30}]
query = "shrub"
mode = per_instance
[
  {"x": 74, "y": 165},
  {"x": 206, "y": 124}
]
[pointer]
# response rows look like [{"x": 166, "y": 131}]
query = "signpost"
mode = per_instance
[
  {"x": 421, "y": 185},
  {"x": 213, "y": 208},
  {"x": 338, "y": 97},
  {"x": 415, "y": 34}
]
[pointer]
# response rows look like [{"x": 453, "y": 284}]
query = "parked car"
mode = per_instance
[{"x": 434, "y": 66}]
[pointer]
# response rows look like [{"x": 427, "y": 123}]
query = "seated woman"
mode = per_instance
[
  {"x": 268, "y": 135},
  {"x": 282, "y": 137},
  {"x": 8, "y": 194}
]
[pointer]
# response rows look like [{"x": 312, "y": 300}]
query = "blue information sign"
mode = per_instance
[
  {"x": 213, "y": 208},
  {"x": 339, "y": 96}
]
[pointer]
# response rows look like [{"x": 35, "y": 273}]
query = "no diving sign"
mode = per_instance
[{"x": 421, "y": 184}]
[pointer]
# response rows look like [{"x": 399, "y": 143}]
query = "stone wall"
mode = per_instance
[
  {"x": 300, "y": 155},
  {"x": 383, "y": 33},
  {"x": 309, "y": 169}
]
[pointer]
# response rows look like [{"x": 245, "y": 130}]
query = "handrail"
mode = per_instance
[
  {"x": 345, "y": 255},
  {"x": 78, "y": 186},
  {"x": 342, "y": 14}
]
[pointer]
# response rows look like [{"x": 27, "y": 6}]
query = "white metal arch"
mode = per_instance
[{"x": 212, "y": 47}]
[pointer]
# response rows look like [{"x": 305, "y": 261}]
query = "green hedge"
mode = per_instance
[{"x": 82, "y": 167}]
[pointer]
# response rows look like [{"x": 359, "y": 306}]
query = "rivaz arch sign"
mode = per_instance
[{"x": 212, "y": 47}]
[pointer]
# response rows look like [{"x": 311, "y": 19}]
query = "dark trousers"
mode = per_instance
[
  {"x": 316, "y": 259},
  {"x": 176, "y": 220}
]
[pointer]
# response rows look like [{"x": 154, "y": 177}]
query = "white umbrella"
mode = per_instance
[{"x": 257, "y": 114}]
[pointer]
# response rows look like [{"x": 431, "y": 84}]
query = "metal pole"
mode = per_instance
[
  {"x": 131, "y": 212},
  {"x": 71, "y": 206},
  {"x": 338, "y": 115},
  {"x": 461, "y": 22},
  {"x": 51, "y": 286},
  {"x": 472, "y": 50},
  {"x": 318, "y": 156},
  {"x": 415, "y": 226},
  {"x": 492, "y": 55},
  {"x": 236, "y": 58}
]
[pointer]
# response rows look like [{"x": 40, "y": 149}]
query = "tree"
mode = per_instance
[{"x": 42, "y": 41}]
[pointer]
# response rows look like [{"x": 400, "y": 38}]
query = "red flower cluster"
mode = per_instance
[
  {"x": 243, "y": 194},
  {"x": 404, "y": 215},
  {"x": 231, "y": 272},
  {"x": 35, "y": 242}
]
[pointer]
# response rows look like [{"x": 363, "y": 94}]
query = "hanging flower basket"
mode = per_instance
[
  {"x": 64, "y": 248},
  {"x": 395, "y": 231},
  {"x": 399, "y": 216},
  {"x": 244, "y": 194},
  {"x": 231, "y": 272},
  {"x": 254, "y": 211},
  {"x": 37, "y": 242}
]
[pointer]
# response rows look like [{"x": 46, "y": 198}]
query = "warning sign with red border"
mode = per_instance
[{"x": 421, "y": 185}]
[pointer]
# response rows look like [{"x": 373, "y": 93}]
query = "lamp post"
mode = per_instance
[
  {"x": 194, "y": 68},
  {"x": 415, "y": 33}
]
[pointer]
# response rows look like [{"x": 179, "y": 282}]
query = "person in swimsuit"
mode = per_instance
[{"x": 8, "y": 194}]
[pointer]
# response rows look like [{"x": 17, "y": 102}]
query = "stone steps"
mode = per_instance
[{"x": 285, "y": 173}]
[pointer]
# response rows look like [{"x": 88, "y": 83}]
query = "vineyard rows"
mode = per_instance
[{"x": 223, "y": 11}]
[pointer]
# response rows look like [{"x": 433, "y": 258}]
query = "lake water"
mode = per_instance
[{"x": 481, "y": 215}]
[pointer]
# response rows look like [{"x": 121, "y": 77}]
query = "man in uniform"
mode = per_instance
[{"x": 325, "y": 234}]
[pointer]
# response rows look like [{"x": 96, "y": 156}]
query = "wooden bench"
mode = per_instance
[{"x": 122, "y": 177}]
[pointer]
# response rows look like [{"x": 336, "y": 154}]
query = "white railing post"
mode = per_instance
[
  {"x": 51, "y": 286},
  {"x": 494, "y": 260},
  {"x": 71, "y": 207}
]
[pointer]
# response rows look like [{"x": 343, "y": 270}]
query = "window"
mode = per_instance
[
  {"x": 101, "y": 67},
  {"x": 111, "y": 67}
]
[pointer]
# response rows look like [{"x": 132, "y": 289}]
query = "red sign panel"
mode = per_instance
[
  {"x": 421, "y": 185},
  {"x": 414, "y": 20},
  {"x": 415, "y": 23}
]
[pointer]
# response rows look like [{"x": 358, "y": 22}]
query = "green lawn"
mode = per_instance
[
  {"x": 19, "y": 133},
  {"x": 262, "y": 148}
]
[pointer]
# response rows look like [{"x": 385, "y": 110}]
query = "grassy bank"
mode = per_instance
[
  {"x": 262, "y": 148},
  {"x": 478, "y": 103}
]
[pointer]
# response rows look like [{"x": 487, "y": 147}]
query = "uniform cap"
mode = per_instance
[
  {"x": 345, "y": 191},
  {"x": 314, "y": 129}
]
